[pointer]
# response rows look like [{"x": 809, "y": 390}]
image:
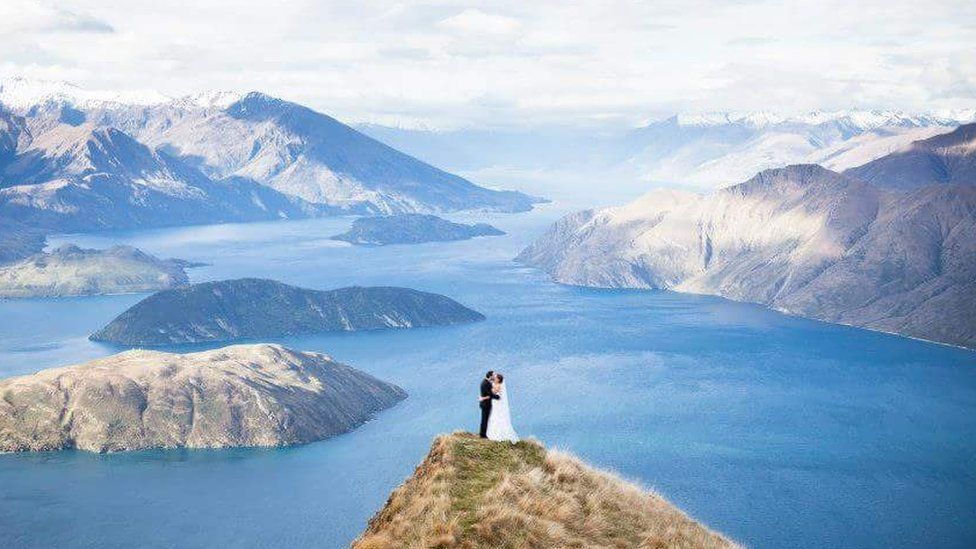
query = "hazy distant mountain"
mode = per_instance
[
  {"x": 230, "y": 310},
  {"x": 948, "y": 159},
  {"x": 243, "y": 395},
  {"x": 720, "y": 149},
  {"x": 70, "y": 270},
  {"x": 698, "y": 150},
  {"x": 411, "y": 229},
  {"x": 252, "y": 137},
  {"x": 801, "y": 239}
]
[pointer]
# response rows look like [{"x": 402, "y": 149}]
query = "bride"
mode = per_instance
[{"x": 500, "y": 419}]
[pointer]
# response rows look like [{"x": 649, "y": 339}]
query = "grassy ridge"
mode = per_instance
[{"x": 474, "y": 493}]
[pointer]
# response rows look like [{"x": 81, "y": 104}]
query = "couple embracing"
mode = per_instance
[{"x": 496, "y": 417}]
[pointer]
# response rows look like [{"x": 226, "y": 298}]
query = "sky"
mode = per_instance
[{"x": 445, "y": 65}]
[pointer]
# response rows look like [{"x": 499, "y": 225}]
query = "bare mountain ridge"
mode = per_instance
[
  {"x": 89, "y": 177},
  {"x": 948, "y": 159},
  {"x": 236, "y": 141},
  {"x": 802, "y": 239}
]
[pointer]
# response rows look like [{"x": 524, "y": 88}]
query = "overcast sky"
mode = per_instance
[{"x": 450, "y": 64}]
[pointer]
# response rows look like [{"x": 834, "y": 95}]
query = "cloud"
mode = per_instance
[
  {"x": 26, "y": 16},
  {"x": 511, "y": 63},
  {"x": 476, "y": 21},
  {"x": 75, "y": 22}
]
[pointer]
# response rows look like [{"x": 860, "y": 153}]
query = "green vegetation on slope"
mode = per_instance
[{"x": 475, "y": 493}]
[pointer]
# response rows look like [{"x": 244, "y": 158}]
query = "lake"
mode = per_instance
[{"x": 779, "y": 431}]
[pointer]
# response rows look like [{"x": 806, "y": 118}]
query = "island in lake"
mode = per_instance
[
  {"x": 411, "y": 229},
  {"x": 476, "y": 493},
  {"x": 246, "y": 308},
  {"x": 70, "y": 270},
  {"x": 243, "y": 395}
]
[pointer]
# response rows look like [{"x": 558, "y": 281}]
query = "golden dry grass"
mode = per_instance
[{"x": 473, "y": 493}]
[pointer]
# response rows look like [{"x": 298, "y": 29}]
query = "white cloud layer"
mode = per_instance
[{"x": 455, "y": 63}]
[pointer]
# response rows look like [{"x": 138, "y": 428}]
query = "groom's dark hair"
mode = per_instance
[{"x": 490, "y": 372}]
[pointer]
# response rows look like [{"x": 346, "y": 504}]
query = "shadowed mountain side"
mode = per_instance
[
  {"x": 948, "y": 159},
  {"x": 78, "y": 178},
  {"x": 801, "y": 239}
]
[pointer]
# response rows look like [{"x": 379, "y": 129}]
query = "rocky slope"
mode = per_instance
[
  {"x": 411, "y": 229},
  {"x": 802, "y": 239},
  {"x": 239, "y": 141},
  {"x": 948, "y": 159},
  {"x": 254, "y": 308},
  {"x": 246, "y": 395},
  {"x": 86, "y": 177},
  {"x": 70, "y": 270},
  {"x": 18, "y": 241},
  {"x": 476, "y": 493}
]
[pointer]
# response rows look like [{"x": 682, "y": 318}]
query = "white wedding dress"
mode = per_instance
[{"x": 500, "y": 420}]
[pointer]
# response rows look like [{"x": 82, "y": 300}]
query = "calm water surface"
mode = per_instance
[{"x": 781, "y": 432}]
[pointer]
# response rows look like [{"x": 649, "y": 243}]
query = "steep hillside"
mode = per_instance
[
  {"x": 475, "y": 493},
  {"x": 88, "y": 177},
  {"x": 254, "y": 137},
  {"x": 948, "y": 159},
  {"x": 801, "y": 239}
]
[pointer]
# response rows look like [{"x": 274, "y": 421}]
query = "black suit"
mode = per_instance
[{"x": 486, "y": 405}]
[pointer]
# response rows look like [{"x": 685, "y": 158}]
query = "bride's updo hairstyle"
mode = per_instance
[{"x": 500, "y": 377}]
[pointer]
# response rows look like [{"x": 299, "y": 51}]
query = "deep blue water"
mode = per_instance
[{"x": 781, "y": 432}]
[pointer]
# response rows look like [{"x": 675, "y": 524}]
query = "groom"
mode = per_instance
[{"x": 485, "y": 402}]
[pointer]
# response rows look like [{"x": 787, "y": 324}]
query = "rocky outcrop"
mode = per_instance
[
  {"x": 254, "y": 308},
  {"x": 246, "y": 395},
  {"x": 411, "y": 229},
  {"x": 802, "y": 239},
  {"x": 476, "y": 493},
  {"x": 70, "y": 270}
]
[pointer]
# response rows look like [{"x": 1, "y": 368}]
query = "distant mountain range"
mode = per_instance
[
  {"x": 71, "y": 159},
  {"x": 705, "y": 150},
  {"x": 890, "y": 245}
]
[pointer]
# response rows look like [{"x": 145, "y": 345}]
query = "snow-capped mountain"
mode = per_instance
[
  {"x": 18, "y": 93},
  {"x": 694, "y": 150},
  {"x": 802, "y": 239},
  {"x": 87, "y": 177},
  {"x": 718, "y": 149},
  {"x": 231, "y": 139}
]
